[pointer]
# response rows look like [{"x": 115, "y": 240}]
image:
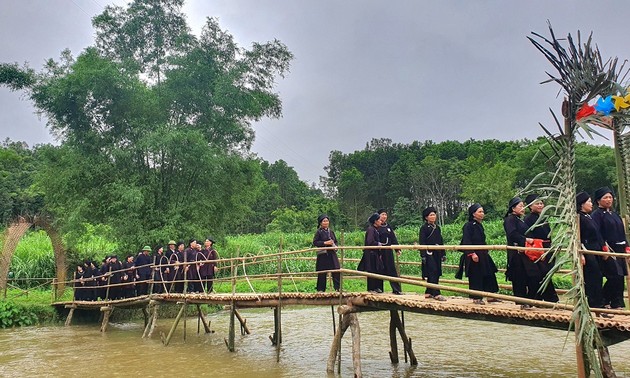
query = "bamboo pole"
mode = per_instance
[
  {"x": 393, "y": 353},
  {"x": 334, "y": 348},
  {"x": 243, "y": 322},
  {"x": 148, "y": 329},
  {"x": 356, "y": 345},
  {"x": 279, "y": 307},
  {"x": 403, "y": 335},
  {"x": 70, "y": 313},
  {"x": 623, "y": 199},
  {"x": 341, "y": 279},
  {"x": 174, "y": 326},
  {"x": 202, "y": 317},
  {"x": 107, "y": 312},
  {"x": 232, "y": 331},
  {"x": 156, "y": 308}
]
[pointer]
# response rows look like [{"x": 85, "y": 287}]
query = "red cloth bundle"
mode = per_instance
[{"x": 534, "y": 255}]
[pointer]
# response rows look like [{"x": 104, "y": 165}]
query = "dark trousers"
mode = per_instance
[
  {"x": 434, "y": 278},
  {"x": 613, "y": 291},
  {"x": 321, "y": 281}
]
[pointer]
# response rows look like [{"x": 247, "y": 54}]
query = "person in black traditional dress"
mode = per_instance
[
  {"x": 431, "y": 234},
  {"x": 209, "y": 268},
  {"x": 90, "y": 280},
  {"x": 177, "y": 282},
  {"x": 387, "y": 236},
  {"x": 79, "y": 283},
  {"x": 591, "y": 240},
  {"x": 478, "y": 264},
  {"x": 326, "y": 258},
  {"x": 103, "y": 278},
  {"x": 160, "y": 264},
  {"x": 129, "y": 277},
  {"x": 542, "y": 232},
  {"x": 192, "y": 271},
  {"x": 521, "y": 270},
  {"x": 611, "y": 228},
  {"x": 372, "y": 261},
  {"x": 143, "y": 270},
  {"x": 116, "y": 270}
]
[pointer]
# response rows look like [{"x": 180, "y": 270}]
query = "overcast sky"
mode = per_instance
[{"x": 404, "y": 70}]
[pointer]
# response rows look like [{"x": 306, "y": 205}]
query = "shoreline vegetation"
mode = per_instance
[{"x": 28, "y": 302}]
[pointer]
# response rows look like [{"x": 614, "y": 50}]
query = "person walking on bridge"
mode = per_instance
[
  {"x": 372, "y": 260},
  {"x": 591, "y": 240},
  {"x": 523, "y": 272},
  {"x": 542, "y": 232},
  {"x": 612, "y": 230},
  {"x": 326, "y": 258},
  {"x": 143, "y": 270},
  {"x": 387, "y": 236},
  {"x": 431, "y": 234},
  {"x": 478, "y": 264}
]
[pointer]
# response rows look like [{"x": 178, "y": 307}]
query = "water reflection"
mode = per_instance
[{"x": 445, "y": 347}]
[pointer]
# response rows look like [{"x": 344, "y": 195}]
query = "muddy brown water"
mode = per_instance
[{"x": 445, "y": 347}]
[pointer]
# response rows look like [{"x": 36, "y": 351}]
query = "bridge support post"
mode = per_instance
[
  {"x": 172, "y": 330},
  {"x": 202, "y": 317},
  {"x": 276, "y": 339},
  {"x": 232, "y": 331},
  {"x": 70, "y": 313},
  {"x": 394, "y": 324},
  {"x": 243, "y": 321},
  {"x": 348, "y": 320},
  {"x": 149, "y": 328},
  {"x": 393, "y": 344},
  {"x": 107, "y": 312}
]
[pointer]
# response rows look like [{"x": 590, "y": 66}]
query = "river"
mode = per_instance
[{"x": 445, "y": 347}]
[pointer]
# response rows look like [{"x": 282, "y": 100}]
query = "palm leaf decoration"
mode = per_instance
[{"x": 582, "y": 76}]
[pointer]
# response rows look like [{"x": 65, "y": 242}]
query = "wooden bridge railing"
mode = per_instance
[{"x": 274, "y": 267}]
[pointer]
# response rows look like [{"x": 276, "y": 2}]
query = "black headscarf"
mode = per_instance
[
  {"x": 427, "y": 211},
  {"x": 599, "y": 193},
  {"x": 321, "y": 218},
  {"x": 472, "y": 209},
  {"x": 580, "y": 198},
  {"x": 513, "y": 202},
  {"x": 373, "y": 218}
]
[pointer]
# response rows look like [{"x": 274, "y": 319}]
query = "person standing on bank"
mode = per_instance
[
  {"x": 372, "y": 260},
  {"x": 541, "y": 231},
  {"x": 387, "y": 236},
  {"x": 591, "y": 240},
  {"x": 478, "y": 264},
  {"x": 611, "y": 229},
  {"x": 431, "y": 234},
  {"x": 326, "y": 258}
]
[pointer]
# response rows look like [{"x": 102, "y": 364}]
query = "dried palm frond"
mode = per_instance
[{"x": 582, "y": 76}]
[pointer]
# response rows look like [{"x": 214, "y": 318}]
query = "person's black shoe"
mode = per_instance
[
  {"x": 397, "y": 293},
  {"x": 378, "y": 291}
]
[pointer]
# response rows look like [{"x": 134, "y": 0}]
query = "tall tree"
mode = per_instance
[{"x": 155, "y": 123}]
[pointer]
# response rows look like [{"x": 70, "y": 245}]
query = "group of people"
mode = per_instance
[
  {"x": 600, "y": 230},
  {"x": 163, "y": 270}
]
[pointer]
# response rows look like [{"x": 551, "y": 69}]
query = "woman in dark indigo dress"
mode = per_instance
[
  {"x": 326, "y": 258},
  {"x": 478, "y": 264},
  {"x": 591, "y": 240},
  {"x": 430, "y": 234},
  {"x": 612, "y": 231},
  {"x": 372, "y": 260}
]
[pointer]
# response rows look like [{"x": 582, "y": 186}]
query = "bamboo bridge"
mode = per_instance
[{"x": 614, "y": 327}]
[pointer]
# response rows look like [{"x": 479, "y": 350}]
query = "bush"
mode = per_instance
[{"x": 12, "y": 315}]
